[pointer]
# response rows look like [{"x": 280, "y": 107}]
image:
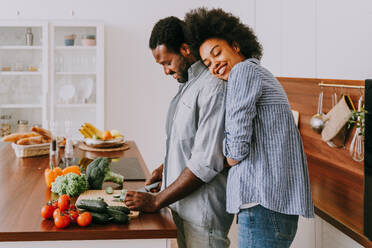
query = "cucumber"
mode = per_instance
[
  {"x": 117, "y": 216},
  {"x": 109, "y": 190},
  {"x": 120, "y": 208},
  {"x": 98, "y": 206},
  {"x": 100, "y": 218}
]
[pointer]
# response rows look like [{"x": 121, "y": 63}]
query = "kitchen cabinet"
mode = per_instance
[
  {"x": 52, "y": 80},
  {"x": 24, "y": 72}
]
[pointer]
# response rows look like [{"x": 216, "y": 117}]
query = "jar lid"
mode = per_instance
[
  {"x": 6, "y": 117},
  {"x": 22, "y": 122}
]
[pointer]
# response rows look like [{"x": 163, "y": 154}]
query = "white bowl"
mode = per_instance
[{"x": 97, "y": 143}]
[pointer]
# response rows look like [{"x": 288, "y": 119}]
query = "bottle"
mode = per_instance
[
  {"x": 22, "y": 126},
  {"x": 29, "y": 37},
  {"x": 53, "y": 153},
  {"x": 5, "y": 127},
  {"x": 69, "y": 152}
]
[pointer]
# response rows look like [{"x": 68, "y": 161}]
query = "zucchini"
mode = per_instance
[
  {"x": 117, "y": 216},
  {"x": 100, "y": 218},
  {"x": 98, "y": 206},
  {"x": 120, "y": 208}
]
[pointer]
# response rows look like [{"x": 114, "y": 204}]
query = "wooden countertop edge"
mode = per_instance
[
  {"x": 352, "y": 233},
  {"x": 87, "y": 235}
]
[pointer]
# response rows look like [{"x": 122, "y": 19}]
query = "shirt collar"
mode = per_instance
[
  {"x": 253, "y": 60},
  {"x": 196, "y": 69}
]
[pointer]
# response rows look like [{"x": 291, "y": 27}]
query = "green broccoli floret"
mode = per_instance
[
  {"x": 59, "y": 185},
  {"x": 98, "y": 171},
  {"x": 70, "y": 184}
]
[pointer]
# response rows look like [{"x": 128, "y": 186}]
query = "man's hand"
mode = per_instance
[
  {"x": 156, "y": 175},
  {"x": 140, "y": 201}
]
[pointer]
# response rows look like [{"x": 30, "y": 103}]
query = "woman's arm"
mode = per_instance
[{"x": 244, "y": 88}]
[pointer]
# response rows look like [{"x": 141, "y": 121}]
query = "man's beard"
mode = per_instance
[{"x": 184, "y": 70}]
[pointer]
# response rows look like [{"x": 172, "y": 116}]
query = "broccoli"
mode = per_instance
[
  {"x": 70, "y": 184},
  {"x": 98, "y": 171}
]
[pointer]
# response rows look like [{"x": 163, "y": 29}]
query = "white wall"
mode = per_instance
[{"x": 301, "y": 38}]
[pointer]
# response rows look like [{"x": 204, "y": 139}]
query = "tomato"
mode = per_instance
[
  {"x": 72, "y": 207},
  {"x": 74, "y": 214},
  {"x": 55, "y": 204},
  {"x": 47, "y": 211},
  {"x": 84, "y": 219},
  {"x": 56, "y": 212},
  {"x": 64, "y": 202},
  {"x": 62, "y": 221}
]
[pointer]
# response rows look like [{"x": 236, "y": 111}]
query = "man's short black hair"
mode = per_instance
[{"x": 169, "y": 32}]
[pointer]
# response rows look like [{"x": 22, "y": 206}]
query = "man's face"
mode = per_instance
[{"x": 173, "y": 63}]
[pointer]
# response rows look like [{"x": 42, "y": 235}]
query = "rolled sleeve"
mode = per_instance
[
  {"x": 243, "y": 90},
  {"x": 207, "y": 157}
]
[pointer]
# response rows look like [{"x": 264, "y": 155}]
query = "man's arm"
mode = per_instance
[
  {"x": 205, "y": 162},
  {"x": 184, "y": 185}
]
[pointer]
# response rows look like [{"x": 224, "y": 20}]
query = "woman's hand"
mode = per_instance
[{"x": 231, "y": 162}]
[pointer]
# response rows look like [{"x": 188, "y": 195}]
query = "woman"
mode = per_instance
[{"x": 268, "y": 185}]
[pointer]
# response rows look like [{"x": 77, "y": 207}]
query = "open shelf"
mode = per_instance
[
  {"x": 20, "y": 47},
  {"x": 20, "y": 73},
  {"x": 9, "y": 106},
  {"x": 76, "y": 48},
  {"x": 83, "y": 105},
  {"x": 76, "y": 73}
]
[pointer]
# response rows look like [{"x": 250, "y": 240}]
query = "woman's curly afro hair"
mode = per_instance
[{"x": 203, "y": 24}]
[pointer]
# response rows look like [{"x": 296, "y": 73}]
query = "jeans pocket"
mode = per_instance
[{"x": 285, "y": 226}]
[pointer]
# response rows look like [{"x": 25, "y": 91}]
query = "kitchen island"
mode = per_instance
[{"x": 23, "y": 193}]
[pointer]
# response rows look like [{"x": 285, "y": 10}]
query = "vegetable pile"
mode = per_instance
[
  {"x": 63, "y": 213},
  {"x": 102, "y": 213}
]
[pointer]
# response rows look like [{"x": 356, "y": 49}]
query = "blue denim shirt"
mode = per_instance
[
  {"x": 261, "y": 133},
  {"x": 195, "y": 130}
]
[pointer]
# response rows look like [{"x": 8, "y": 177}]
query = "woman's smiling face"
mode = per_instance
[{"x": 220, "y": 57}]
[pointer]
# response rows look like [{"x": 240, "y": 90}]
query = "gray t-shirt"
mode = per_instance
[{"x": 195, "y": 131}]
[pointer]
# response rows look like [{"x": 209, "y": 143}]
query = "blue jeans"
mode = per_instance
[{"x": 259, "y": 227}]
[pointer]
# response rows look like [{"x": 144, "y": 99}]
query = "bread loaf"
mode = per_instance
[
  {"x": 17, "y": 136},
  {"x": 31, "y": 141},
  {"x": 42, "y": 132}
]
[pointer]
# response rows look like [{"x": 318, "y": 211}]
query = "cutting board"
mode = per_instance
[{"x": 94, "y": 194}]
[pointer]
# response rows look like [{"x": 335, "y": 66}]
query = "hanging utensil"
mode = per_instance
[
  {"x": 317, "y": 122},
  {"x": 357, "y": 144}
]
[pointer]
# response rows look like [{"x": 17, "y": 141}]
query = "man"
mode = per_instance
[{"x": 193, "y": 175}]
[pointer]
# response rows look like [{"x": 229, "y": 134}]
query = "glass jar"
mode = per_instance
[
  {"x": 22, "y": 126},
  {"x": 5, "y": 127}
]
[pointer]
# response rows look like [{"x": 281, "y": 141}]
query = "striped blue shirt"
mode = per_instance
[{"x": 261, "y": 133}]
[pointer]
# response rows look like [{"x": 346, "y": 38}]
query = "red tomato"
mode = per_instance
[
  {"x": 47, "y": 211},
  {"x": 64, "y": 202},
  {"x": 62, "y": 221},
  {"x": 56, "y": 213},
  {"x": 84, "y": 219},
  {"x": 55, "y": 204},
  {"x": 74, "y": 215},
  {"x": 72, "y": 207}
]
